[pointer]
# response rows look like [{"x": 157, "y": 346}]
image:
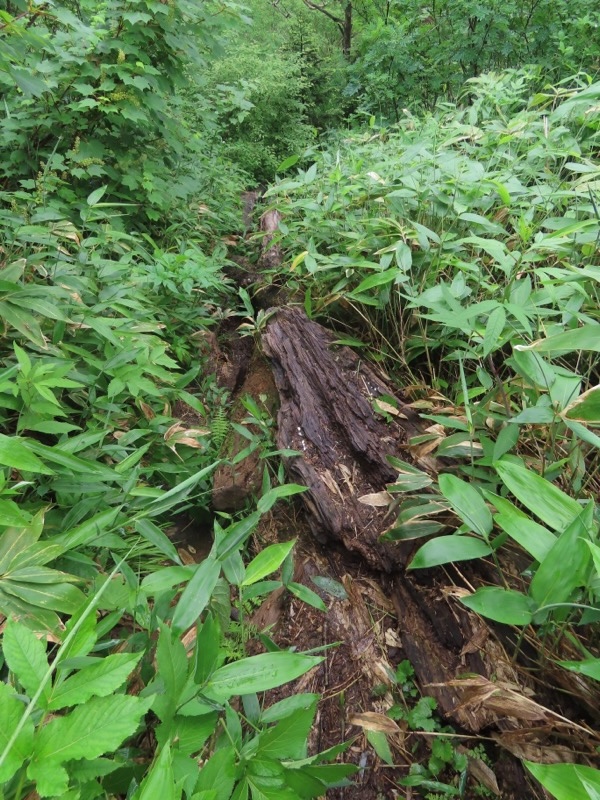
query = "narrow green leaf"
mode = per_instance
[
  {"x": 196, "y": 595},
  {"x": 11, "y": 711},
  {"x": 541, "y": 497},
  {"x": 18, "y": 454},
  {"x": 565, "y": 567},
  {"x": 378, "y": 741},
  {"x": 585, "y": 338},
  {"x": 153, "y": 534},
  {"x": 268, "y": 500},
  {"x": 493, "y": 330},
  {"x": 467, "y": 503},
  {"x": 589, "y": 667},
  {"x": 306, "y": 595},
  {"x": 266, "y": 562},
  {"x": 62, "y": 597}
]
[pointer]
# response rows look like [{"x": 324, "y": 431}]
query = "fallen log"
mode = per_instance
[{"x": 327, "y": 414}]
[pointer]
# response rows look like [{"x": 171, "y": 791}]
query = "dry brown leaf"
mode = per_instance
[
  {"x": 146, "y": 410},
  {"x": 378, "y": 499},
  {"x": 522, "y": 745},
  {"x": 480, "y": 771},
  {"x": 372, "y": 721}
]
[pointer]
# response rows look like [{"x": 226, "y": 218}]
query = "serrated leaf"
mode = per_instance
[
  {"x": 99, "y": 726},
  {"x": 11, "y": 711},
  {"x": 26, "y": 657},
  {"x": 160, "y": 780},
  {"x": 218, "y": 773},
  {"x": 288, "y": 738},
  {"x": 96, "y": 680}
]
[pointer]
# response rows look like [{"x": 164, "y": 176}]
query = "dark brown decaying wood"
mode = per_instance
[
  {"x": 271, "y": 254},
  {"x": 326, "y": 414}
]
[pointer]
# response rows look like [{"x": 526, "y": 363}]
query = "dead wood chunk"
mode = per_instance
[
  {"x": 234, "y": 484},
  {"x": 271, "y": 254},
  {"x": 326, "y": 413}
]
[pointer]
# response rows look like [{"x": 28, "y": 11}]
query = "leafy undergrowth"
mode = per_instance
[{"x": 464, "y": 245}]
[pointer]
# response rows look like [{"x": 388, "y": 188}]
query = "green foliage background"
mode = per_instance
[{"x": 439, "y": 191}]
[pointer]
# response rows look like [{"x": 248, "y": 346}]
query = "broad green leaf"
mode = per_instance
[
  {"x": 533, "y": 537},
  {"x": 95, "y": 680},
  {"x": 51, "y": 779},
  {"x": 467, "y": 503},
  {"x": 502, "y": 605},
  {"x": 233, "y": 536},
  {"x": 88, "y": 531},
  {"x": 566, "y": 781},
  {"x": 541, "y": 497},
  {"x": 585, "y": 338},
  {"x": 160, "y": 782},
  {"x": 446, "y": 549},
  {"x": 11, "y": 515},
  {"x": 329, "y": 585},
  {"x": 96, "y": 195},
  {"x": 589, "y": 667},
  {"x": 378, "y": 279},
  {"x": 266, "y": 562},
  {"x": 25, "y": 655},
  {"x": 98, "y": 726},
  {"x": 258, "y": 673},
  {"x": 16, "y": 453},
  {"x": 493, "y": 330},
  {"x": 566, "y": 566},
  {"x": 586, "y": 408},
  {"x": 283, "y": 708},
  {"x": 380, "y": 744},
  {"x": 62, "y": 597},
  {"x": 164, "y": 579},
  {"x": 196, "y": 595},
  {"x": 11, "y": 711}
]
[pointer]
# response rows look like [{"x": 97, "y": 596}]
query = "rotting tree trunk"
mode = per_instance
[{"x": 326, "y": 414}]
